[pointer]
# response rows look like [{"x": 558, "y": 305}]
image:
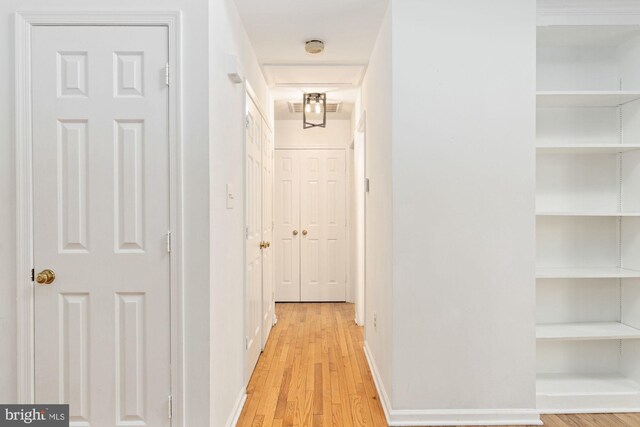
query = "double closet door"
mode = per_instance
[{"x": 310, "y": 225}]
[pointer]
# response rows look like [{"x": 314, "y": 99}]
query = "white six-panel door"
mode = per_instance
[
  {"x": 260, "y": 308},
  {"x": 254, "y": 304},
  {"x": 101, "y": 217},
  {"x": 310, "y": 225},
  {"x": 323, "y": 222},
  {"x": 268, "y": 301},
  {"x": 287, "y": 225}
]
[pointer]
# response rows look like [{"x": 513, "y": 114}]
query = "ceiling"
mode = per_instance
[
  {"x": 278, "y": 29},
  {"x": 331, "y": 75}
]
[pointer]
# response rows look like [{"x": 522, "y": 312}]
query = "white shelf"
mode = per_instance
[
  {"x": 576, "y": 393},
  {"x": 585, "y": 98},
  {"x": 585, "y": 273},
  {"x": 605, "y": 214},
  {"x": 586, "y": 331},
  {"x": 587, "y": 148}
]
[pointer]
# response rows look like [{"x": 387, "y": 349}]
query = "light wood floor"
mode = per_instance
[{"x": 313, "y": 373}]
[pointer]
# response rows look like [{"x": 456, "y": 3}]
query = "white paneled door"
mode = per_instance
[
  {"x": 254, "y": 242},
  {"x": 259, "y": 235},
  {"x": 268, "y": 293},
  {"x": 101, "y": 218},
  {"x": 310, "y": 225},
  {"x": 287, "y": 225}
]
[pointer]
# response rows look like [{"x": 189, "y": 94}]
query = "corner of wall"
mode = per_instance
[{"x": 227, "y": 99}]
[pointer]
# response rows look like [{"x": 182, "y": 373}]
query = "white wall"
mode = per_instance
[
  {"x": 226, "y": 115},
  {"x": 290, "y": 134},
  {"x": 450, "y": 263},
  {"x": 463, "y": 204},
  {"x": 196, "y": 181},
  {"x": 376, "y": 101}
]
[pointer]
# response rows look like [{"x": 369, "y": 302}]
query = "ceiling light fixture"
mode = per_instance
[
  {"x": 320, "y": 109},
  {"x": 314, "y": 47}
]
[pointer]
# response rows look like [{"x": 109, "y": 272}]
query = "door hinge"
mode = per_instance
[
  {"x": 33, "y": 274},
  {"x": 168, "y": 241},
  {"x": 246, "y": 343},
  {"x": 246, "y": 122},
  {"x": 366, "y": 185},
  {"x": 170, "y": 409},
  {"x": 166, "y": 74}
]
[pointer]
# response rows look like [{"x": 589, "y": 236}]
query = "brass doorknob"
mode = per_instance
[
  {"x": 45, "y": 277},
  {"x": 295, "y": 232},
  {"x": 263, "y": 245},
  {"x": 304, "y": 232},
  {"x": 268, "y": 244}
]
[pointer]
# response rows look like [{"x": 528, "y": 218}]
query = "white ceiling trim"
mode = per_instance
[{"x": 332, "y": 75}]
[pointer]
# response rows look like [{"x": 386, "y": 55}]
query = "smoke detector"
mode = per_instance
[{"x": 314, "y": 47}]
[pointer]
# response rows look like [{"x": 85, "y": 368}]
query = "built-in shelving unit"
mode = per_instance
[{"x": 588, "y": 219}]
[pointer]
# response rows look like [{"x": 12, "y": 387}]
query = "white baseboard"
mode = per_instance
[
  {"x": 451, "y": 417},
  {"x": 382, "y": 393},
  {"x": 237, "y": 409}
]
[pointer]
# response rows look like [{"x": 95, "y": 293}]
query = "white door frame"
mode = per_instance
[
  {"x": 24, "y": 21},
  {"x": 361, "y": 128}
]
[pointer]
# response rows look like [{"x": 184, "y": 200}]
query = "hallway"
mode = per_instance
[{"x": 313, "y": 373}]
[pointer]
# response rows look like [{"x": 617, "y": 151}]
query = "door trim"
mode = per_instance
[{"x": 24, "y": 21}]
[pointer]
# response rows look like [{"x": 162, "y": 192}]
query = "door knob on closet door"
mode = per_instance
[
  {"x": 304, "y": 232},
  {"x": 46, "y": 277},
  {"x": 295, "y": 232}
]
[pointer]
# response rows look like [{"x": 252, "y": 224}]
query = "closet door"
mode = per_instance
[
  {"x": 253, "y": 321},
  {"x": 267, "y": 232},
  {"x": 323, "y": 223},
  {"x": 287, "y": 225}
]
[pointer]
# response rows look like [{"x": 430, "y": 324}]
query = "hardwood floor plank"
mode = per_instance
[
  {"x": 629, "y": 420},
  {"x": 317, "y": 389},
  {"x": 289, "y": 414},
  {"x": 313, "y": 373}
]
